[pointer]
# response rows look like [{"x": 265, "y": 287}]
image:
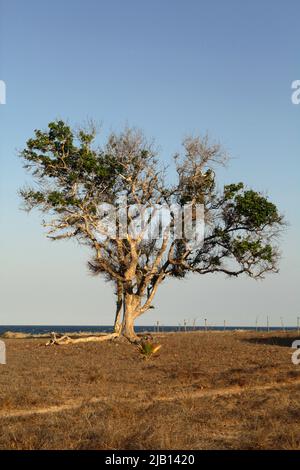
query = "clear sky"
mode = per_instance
[{"x": 171, "y": 67}]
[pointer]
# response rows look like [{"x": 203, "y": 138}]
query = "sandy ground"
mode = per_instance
[{"x": 204, "y": 390}]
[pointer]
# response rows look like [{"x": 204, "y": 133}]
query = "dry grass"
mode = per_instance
[{"x": 179, "y": 399}]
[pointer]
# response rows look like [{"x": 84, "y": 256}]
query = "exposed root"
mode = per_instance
[
  {"x": 132, "y": 339},
  {"x": 67, "y": 340}
]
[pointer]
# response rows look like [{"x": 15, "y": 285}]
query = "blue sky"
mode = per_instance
[{"x": 171, "y": 68}]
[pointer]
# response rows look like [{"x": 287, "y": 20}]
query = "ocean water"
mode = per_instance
[{"x": 41, "y": 329}]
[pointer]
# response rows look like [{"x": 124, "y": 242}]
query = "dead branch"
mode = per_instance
[{"x": 68, "y": 340}]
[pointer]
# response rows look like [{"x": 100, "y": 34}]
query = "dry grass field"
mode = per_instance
[{"x": 204, "y": 390}]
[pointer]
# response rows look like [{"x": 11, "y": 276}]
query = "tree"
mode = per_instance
[{"x": 74, "y": 181}]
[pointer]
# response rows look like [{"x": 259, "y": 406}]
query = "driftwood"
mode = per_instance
[{"x": 68, "y": 340}]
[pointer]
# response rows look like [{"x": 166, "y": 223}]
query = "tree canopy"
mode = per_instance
[{"x": 73, "y": 178}]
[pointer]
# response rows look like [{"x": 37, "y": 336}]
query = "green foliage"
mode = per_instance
[
  {"x": 248, "y": 208},
  {"x": 33, "y": 197},
  {"x": 56, "y": 198},
  {"x": 147, "y": 348},
  {"x": 57, "y": 157},
  {"x": 231, "y": 190},
  {"x": 255, "y": 209},
  {"x": 246, "y": 247}
]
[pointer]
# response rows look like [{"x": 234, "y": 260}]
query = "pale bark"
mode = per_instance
[
  {"x": 128, "y": 327},
  {"x": 119, "y": 309},
  {"x": 67, "y": 340},
  {"x": 131, "y": 311}
]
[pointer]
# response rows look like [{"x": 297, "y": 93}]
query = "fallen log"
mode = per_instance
[{"x": 68, "y": 340}]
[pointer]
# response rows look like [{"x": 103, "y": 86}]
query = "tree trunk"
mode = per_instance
[
  {"x": 131, "y": 305},
  {"x": 119, "y": 309},
  {"x": 128, "y": 327},
  {"x": 131, "y": 311}
]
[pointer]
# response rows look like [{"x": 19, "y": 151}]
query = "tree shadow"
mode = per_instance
[{"x": 284, "y": 341}]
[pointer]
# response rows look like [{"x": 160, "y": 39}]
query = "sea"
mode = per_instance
[{"x": 43, "y": 329}]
